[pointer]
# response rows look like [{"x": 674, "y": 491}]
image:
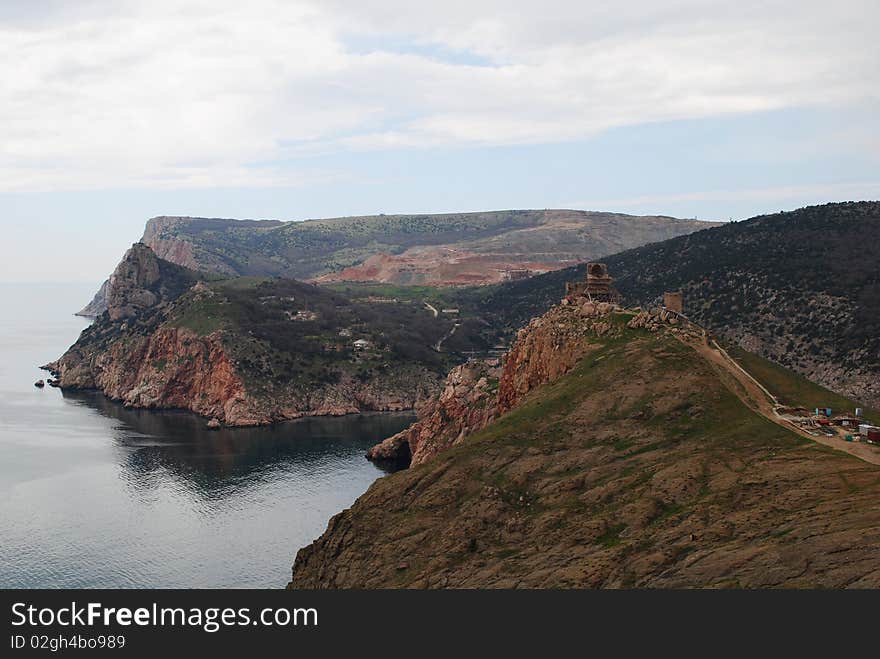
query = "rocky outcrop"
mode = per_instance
[
  {"x": 170, "y": 368},
  {"x": 477, "y": 393},
  {"x": 98, "y": 305},
  {"x": 130, "y": 288},
  {"x": 157, "y": 347},
  {"x": 465, "y": 404},
  {"x": 176, "y": 368},
  {"x": 140, "y": 281},
  {"x": 176, "y": 250}
]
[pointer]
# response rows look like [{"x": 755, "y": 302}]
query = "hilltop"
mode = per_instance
[
  {"x": 252, "y": 350},
  {"x": 801, "y": 288},
  {"x": 605, "y": 451},
  {"x": 442, "y": 249}
]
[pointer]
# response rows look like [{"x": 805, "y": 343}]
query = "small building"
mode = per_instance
[
  {"x": 303, "y": 315},
  {"x": 674, "y": 301},
  {"x": 515, "y": 274},
  {"x": 361, "y": 344},
  {"x": 449, "y": 311}
]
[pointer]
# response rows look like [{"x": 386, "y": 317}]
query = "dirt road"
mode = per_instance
[{"x": 756, "y": 396}]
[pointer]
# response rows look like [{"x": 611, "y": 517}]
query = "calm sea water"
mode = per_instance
[{"x": 96, "y": 495}]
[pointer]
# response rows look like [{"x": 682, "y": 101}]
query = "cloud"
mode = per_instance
[
  {"x": 202, "y": 94},
  {"x": 819, "y": 191}
]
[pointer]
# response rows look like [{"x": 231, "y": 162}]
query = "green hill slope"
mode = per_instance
[{"x": 638, "y": 468}]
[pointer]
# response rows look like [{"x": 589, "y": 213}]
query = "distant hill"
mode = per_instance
[
  {"x": 801, "y": 288},
  {"x": 444, "y": 249}
]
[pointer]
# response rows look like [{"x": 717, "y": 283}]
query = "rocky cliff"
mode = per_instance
[
  {"x": 246, "y": 352},
  {"x": 477, "y": 393},
  {"x": 98, "y": 304},
  {"x": 624, "y": 459},
  {"x": 171, "y": 368}
]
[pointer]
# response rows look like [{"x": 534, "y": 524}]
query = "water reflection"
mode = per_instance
[
  {"x": 94, "y": 495},
  {"x": 225, "y": 461}
]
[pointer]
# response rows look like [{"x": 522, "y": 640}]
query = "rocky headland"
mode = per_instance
[{"x": 239, "y": 352}]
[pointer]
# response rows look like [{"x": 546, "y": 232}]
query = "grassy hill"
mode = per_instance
[{"x": 639, "y": 468}]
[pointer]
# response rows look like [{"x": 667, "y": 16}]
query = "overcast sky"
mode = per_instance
[{"x": 112, "y": 112}]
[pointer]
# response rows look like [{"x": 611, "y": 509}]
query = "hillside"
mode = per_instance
[
  {"x": 620, "y": 457},
  {"x": 800, "y": 288},
  {"x": 250, "y": 350},
  {"x": 445, "y": 249}
]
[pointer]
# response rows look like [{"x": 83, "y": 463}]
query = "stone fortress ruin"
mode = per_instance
[
  {"x": 674, "y": 301},
  {"x": 596, "y": 287}
]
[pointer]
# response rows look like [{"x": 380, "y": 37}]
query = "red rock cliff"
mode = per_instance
[
  {"x": 477, "y": 393},
  {"x": 170, "y": 368}
]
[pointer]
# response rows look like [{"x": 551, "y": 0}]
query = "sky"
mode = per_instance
[{"x": 112, "y": 112}]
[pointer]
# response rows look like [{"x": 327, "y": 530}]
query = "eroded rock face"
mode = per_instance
[
  {"x": 164, "y": 370},
  {"x": 140, "y": 353},
  {"x": 175, "y": 368},
  {"x": 98, "y": 305},
  {"x": 477, "y": 393},
  {"x": 175, "y": 250},
  {"x": 465, "y": 405},
  {"x": 129, "y": 289}
]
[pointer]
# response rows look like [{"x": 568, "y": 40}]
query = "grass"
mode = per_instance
[
  {"x": 611, "y": 537},
  {"x": 793, "y": 389},
  {"x": 558, "y": 472},
  {"x": 464, "y": 298}
]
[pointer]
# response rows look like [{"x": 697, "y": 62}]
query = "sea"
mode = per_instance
[{"x": 96, "y": 495}]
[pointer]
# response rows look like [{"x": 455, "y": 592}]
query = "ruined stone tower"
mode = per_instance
[
  {"x": 674, "y": 301},
  {"x": 597, "y": 285}
]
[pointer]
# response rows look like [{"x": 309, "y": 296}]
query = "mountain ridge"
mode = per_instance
[{"x": 485, "y": 247}]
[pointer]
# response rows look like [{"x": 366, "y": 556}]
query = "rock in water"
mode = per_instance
[
  {"x": 214, "y": 424},
  {"x": 40, "y": 384}
]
